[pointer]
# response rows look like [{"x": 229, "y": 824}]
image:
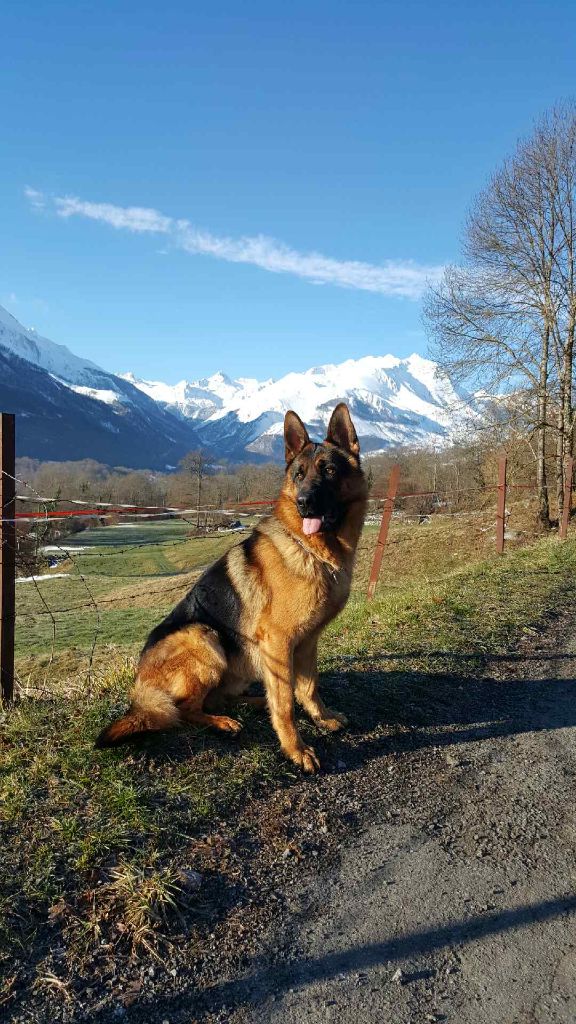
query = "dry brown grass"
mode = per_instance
[
  {"x": 442, "y": 545},
  {"x": 152, "y": 593},
  {"x": 65, "y": 674}
]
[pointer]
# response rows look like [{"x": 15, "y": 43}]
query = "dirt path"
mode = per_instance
[
  {"x": 427, "y": 874},
  {"x": 464, "y": 881}
]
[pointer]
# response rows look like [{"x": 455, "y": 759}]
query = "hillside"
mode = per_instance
[{"x": 69, "y": 408}]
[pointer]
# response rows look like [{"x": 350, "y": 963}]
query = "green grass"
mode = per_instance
[
  {"x": 121, "y": 626},
  {"x": 133, "y": 575},
  {"x": 474, "y": 610},
  {"x": 93, "y": 842},
  {"x": 148, "y": 550},
  {"x": 116, "y": 591}
]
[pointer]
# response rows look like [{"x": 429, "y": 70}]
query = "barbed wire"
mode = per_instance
[
  {"x": 61, "y": 633},
  {"x": 455, "y": 515},
  {"x": 121, "y": 598},
  {"x": 406, "y": 584},
  {"x": 120, "y": 508},
  {"x": 54, "y": 517},
  {"x": 111, "y": 551},
  {"x": 91, "y": 602},
  {"x": 60, "y": 515}
]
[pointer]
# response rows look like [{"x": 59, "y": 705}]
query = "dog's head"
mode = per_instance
[{"x": 323, "y": 479}]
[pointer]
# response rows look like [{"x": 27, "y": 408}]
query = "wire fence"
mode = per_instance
[
  {"x": 79, "y": 593},
  {"x": 81, "y": 596}
]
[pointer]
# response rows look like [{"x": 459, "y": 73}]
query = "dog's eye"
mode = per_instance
[
  {"x": 299, "y": 475},
  {"x": 330, "y": 471}
]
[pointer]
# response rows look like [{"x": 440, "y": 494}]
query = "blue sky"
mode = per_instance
[{"x": 309, "y": 165}]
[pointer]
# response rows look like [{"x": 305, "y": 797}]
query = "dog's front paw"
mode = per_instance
[
  {"x": 226, "y": 724},
  {"x": 305, "y": 758},
  {"x": 333, "y": 721}
]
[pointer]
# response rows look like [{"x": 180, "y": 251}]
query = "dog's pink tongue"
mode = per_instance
[{"x": 311, "y": 526}]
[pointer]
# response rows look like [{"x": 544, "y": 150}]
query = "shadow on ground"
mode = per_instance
[
  {"x": 403, "y": 710},
  {"x": 262, "y": 982}
]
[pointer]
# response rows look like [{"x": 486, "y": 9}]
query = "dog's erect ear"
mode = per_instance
[
  {"x": 295, "y": 435},
  {"x": 341, "y": 430}
]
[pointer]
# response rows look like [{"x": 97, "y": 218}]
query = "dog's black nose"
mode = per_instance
[{"x": 302, "y": 504}]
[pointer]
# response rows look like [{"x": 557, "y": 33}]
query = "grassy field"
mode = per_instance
[
  {"x": 119, "y": 581},
  {"x": 95, "y": 843}
]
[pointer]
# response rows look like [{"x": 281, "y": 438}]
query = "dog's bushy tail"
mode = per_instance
[{"x": 151, "y": 710}]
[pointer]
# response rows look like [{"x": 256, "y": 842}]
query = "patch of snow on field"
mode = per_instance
[
  {"x": 67, "y": 547},
  {"x": 35, "y": 579}
]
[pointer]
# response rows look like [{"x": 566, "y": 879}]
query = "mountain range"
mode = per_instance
[{"x": 70, "y": 408}]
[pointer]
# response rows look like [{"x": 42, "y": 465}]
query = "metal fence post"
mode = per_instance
[
  {"x": 501, "y": 513},
  {"x": 7, "y": 553},
  {"x": 568, "y": 473},
  {"x": 384, "y": 525}
]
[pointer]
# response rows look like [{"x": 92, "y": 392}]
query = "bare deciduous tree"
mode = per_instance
[
  {"x": 505, "y": 321},
  {"x": 196, "y": 463}
]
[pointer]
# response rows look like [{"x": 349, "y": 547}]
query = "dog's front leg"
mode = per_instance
[
  {"x": 277, "y": 661},
  {"x": 306, "y": 687}
]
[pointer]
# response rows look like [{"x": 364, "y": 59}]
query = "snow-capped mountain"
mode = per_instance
[
  {"x": 25, "y": 343},
  {"x": 69, "y": 408},
  {"x": 393, "y": 401},
  {"x": 198, "y": 399}
]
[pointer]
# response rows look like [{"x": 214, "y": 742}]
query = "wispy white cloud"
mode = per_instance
[
  {"x": 34, "y": 197},
  {"x": 404, "y": 278},
  {"x": 131, "y": 218}
]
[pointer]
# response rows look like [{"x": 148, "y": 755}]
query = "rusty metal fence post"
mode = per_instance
[
  {"x": 7, "y": 553},
  {"x": 501, "y": 512},
  {"x": 383, "y": 532},
  {"x": 568, "y": 474}
]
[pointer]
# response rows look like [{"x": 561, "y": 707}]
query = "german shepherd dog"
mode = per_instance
[{"x": 257, "y": 613}]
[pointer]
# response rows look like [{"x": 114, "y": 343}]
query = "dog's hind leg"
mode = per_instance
[
  {"x": 253, "y": 700},
  {"x": 221, "y": 722},
  {"x": 233, "y": 691},
  {"x": 174, "y": 676}
]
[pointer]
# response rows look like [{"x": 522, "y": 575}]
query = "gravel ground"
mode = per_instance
[
  {"x": 457, "y": 902},
  {"x": 428, "y": 875}
]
